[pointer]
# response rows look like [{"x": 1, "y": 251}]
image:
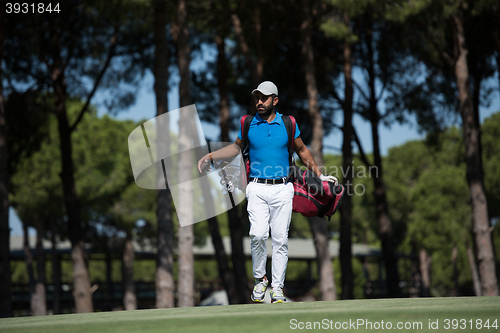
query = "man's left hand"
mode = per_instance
[{"x": 328, "y": 178}]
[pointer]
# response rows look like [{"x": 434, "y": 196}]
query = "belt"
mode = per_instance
[{"x": 267, "y": 181}]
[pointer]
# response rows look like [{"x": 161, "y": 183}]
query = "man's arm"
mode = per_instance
[
  {"x": 308, "y": 160},
  {"x": 305, "y": 156},
  {"x": 225, "y": 153}
]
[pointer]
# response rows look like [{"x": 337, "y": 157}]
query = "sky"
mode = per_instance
[{"x": 396, "y": 135}]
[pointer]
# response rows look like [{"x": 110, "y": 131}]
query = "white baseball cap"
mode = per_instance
[{"x": 266, "y": 88}]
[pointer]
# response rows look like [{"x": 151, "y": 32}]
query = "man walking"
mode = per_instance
[{"x": 268, "y": 194}]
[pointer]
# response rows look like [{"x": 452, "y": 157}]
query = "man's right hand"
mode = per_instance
[{"x": 204, "y": 163}]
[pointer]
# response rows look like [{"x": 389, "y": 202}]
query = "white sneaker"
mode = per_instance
[
  {"x": 277, "y": 295},
  {"x": 259, "y": 290}
]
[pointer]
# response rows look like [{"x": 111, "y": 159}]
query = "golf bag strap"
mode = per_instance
[
  {"x": 290, "y": 125},
  {"x": 245, "y": 126}
]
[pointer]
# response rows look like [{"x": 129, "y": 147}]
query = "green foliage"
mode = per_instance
[
  {"x": 19, "y": 273},
  {"x": 442, "y": 213},
  {"x": 364, "y": 224},
  {"x": 491, "y": 163},
  {"x": 338, "y": 30},
  {"x": 145, "y": 270},
  {"x": 206, "y": 270},
  {"x": 334, "y": 25},
  {"x": 36, "y": 186},
  {"x": 359, "y": 278},
  {"x": 299, "y": 227},
  {"x": 429, "y": 197},
  {"x": 299, "y": 270}
]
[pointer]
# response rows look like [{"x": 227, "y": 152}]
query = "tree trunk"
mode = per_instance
[
  {"x": 256, "y": 69},
  {"x": 416, "y": 279},
  {"x": 56, "y": 269},
  {"x": 40, "y": 300},
  {"x": 318, "y": 225},
  {"x": 81, "y": 279},
  {"x": 481, "y": 228},
  {"x": 473, "y": 270},
  {"x": 454, "y": 256},
  {"x": 236, "y": 280},
  {"x": 225, "y": 272},
  {"x": 238, "y": 258},
  {"x": 323, "y": 259},
  {"x": 346, "y": 204},
  {"x": 383, "y": 220},
  {"x": 496, "y": 35},
  {"x": 129, "y": 298},
  {"x": 165, "y": 258},
  {"x": 425, "y": 267},
  {"x": 381, "y": 209},
  {"x": 109, "y": 273},
  {"x": 185, "y": 212},
  {"x": 235, "y": 19},
  {"x": 222, "y": 85},
  {"x": 235, "y": 220},
  {"x": 312, "y": 90},
  {"x": 476, "y": 96},
  {"x": 28, "y": 260},
  {"x": 259, "y": 65},
  {"x": 5, "y": 282}
]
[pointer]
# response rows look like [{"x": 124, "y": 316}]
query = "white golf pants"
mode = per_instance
[{"x": 270, "y": 206}]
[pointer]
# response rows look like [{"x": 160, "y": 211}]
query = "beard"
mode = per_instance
[{"x": 265, "y": 111}]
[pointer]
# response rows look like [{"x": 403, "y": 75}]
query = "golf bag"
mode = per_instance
[{"x": 312, "y": 196}]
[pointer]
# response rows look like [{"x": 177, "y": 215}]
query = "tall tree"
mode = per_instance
[
  {"x": 81, "y": 279},
  {"x": 347, "y": 163},
  {"x": 384, "y": 222},
  {"x": 129, "y": 297},
  {"x": 40, "y": 297},
  {"x": 226, "y": 274},
  {"x": 186, "y": 235},
  {"x": 318, "y": 225},
  {"x": 236, "y": 218},
  {"x": 56, "y": 268},
  {"x": 339, "y": 27},
  {"x": 28, "y": 260},
  {"x": 447, "y": 38},
  {"x": 5, "y": 283},
  {"x": 207, "y": 83},
  {"x": 256, "y": 68},
  {"x": 165, "y": 257},
  {"x": 382, "y": 58}
]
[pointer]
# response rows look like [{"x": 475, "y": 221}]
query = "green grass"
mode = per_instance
[{"x": 278, "y": 317}]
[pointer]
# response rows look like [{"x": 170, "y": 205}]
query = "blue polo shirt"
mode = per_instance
[{"x": 268, "y": 147}]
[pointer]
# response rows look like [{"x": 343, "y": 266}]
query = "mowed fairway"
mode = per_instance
[{"x": 471, "y": 314}]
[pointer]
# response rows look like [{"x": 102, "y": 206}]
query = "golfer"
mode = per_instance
[{"x": 269, "y": 196}]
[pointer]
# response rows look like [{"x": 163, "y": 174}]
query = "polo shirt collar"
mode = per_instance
[{"x": 276, "y": 119}]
